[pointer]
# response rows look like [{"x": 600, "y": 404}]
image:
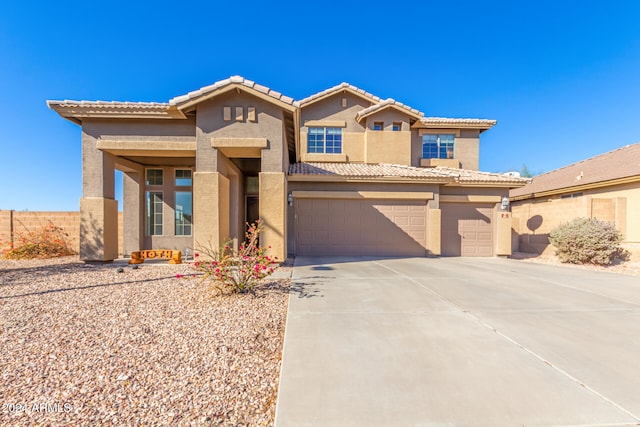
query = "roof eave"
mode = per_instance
[{"x": 342, "y": 178}]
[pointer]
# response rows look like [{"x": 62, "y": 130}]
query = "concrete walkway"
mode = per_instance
[{"x": 457, "y": 342}]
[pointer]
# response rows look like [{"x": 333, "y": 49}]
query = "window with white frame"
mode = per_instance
[
  {"x": 154, "y": 213},
  {"x": 184, "y": 213},
  {"x": 438, "y": 146},
  {"x": 324, "y": 140}
]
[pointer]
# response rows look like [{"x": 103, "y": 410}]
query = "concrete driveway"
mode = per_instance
[{"x": 459, "y": 341}]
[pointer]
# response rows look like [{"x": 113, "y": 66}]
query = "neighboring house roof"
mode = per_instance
[
  {"x": 388, "y": 171},
  {"x": 617, "y": 166},
  {"x": 219, "y": 86},
  {"x": 336, "y": 89},
  {"x": 389, "y": 103}
]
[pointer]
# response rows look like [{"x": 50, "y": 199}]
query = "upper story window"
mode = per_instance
[
  {"x": 378, "y": 125},
  {"x": 438, "y": 146},
  {"x": 397, "y": 126},
  {"x": 324, "y": 140},
  {"x": 154, "y": 177}
]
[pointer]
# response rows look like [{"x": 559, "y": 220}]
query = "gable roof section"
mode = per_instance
[
  {"x": 389, "y": 103},
  {"x": 184, "y": 102},
  {"x": 347, "y": 171},
  {"x": 617, "y": 166},
  {"x": 337, "y": 89}
]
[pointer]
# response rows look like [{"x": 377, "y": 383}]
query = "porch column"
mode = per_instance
[
  {"x": 210, "y": 209},
  {"x": 133, "y": 211},
  {"x": 273, "y": 206},
  {"x": 98, "y": 207}
]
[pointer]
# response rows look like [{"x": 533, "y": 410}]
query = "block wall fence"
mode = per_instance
[{"x": 12, "y": 223}]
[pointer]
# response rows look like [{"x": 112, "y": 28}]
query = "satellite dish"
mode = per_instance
[{"x": 513, "y": 174}]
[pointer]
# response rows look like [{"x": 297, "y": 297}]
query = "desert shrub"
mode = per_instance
[
  {"x": 49, "y": 241},
  {"x": 587, "y": 241},
  {"x": 235, "y": 270}
]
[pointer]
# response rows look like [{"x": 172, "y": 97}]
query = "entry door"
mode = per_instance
[{"x": 252, "y": 211}]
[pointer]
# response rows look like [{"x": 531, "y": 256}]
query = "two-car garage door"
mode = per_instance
[
  {"x": 361, "y": 227},
  {"x": 390, "y": 227}
]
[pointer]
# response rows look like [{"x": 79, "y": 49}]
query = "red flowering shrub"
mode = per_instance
[
  {"x": 48, "y": 242},
  {"x": 236, "y": 270}
]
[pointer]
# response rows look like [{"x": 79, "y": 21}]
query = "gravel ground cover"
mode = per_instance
[
  {"x": 82, "y": 344},
  {"x": 628, "y": 267}
]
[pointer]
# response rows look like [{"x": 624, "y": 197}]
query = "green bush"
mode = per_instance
[{"x": 587, "y": 241}]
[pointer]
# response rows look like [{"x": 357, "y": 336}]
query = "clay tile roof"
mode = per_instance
[
  {"x": 362, "y": 170},
  {"x": 387, "y": 103},
  {"x": 226, "y": 82},
  {"x": 617, "y": 164},
  {"x": 109, "y": 105},
  {"x": 452, "y": 121},
  {"x": 336, "y": 89}
]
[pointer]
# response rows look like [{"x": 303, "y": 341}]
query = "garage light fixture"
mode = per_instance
[
  {"x": 505, "y": 203},
  {"x": 290, "y": 199}
]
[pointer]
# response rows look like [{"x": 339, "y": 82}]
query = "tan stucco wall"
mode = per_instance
[
  {"x": 211, "y": 124},
  {"x": 467, "y": 149},
  {"x": 434, "y": 231},
  {"x": 534, "y": 219},
  {"x": 206, "y": 215},
  {"x": 273, "y": 205},
  {"x": 331, "y": 108},
  {"x": 503, "y": 232},
  {"x": 388, "y": 147},
  {"x": 98, "y": 229}
]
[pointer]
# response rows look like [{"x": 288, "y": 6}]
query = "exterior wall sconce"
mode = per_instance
[
  {"x": 505, "y": 203},
  {"x": 290, "y": 199}
]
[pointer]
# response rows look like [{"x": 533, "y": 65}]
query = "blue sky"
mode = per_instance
[{"x": 561, "y": 77}]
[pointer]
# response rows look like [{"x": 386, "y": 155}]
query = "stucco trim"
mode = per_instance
[
  {"x": 217, "y": 142},
  {"x": 469, "y": 199},
  {"x": 402, "y": 195},
  {"x": 319, "y": 157},
  {"x": 326, "y": 123},
  {"x": 340, "y": 178},
  {"x": 438, "y": 131},
  {"x": 148, "y": 148}
]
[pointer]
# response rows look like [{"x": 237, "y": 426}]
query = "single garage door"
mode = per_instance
[
  {"x": 361, "y": 227},
  {"x": 467, "y": 229}
]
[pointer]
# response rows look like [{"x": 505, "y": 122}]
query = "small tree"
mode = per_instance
[
  {"x": 587, "y": 241},
  {"x": 236, "y": 270}
]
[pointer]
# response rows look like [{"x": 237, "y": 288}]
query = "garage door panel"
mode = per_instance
[
  {"x": 467, "y": 229},
  {"x": 360, "y": 227}
]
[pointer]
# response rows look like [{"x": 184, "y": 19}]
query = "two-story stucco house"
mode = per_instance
[{"x": 341, "y": 172}]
